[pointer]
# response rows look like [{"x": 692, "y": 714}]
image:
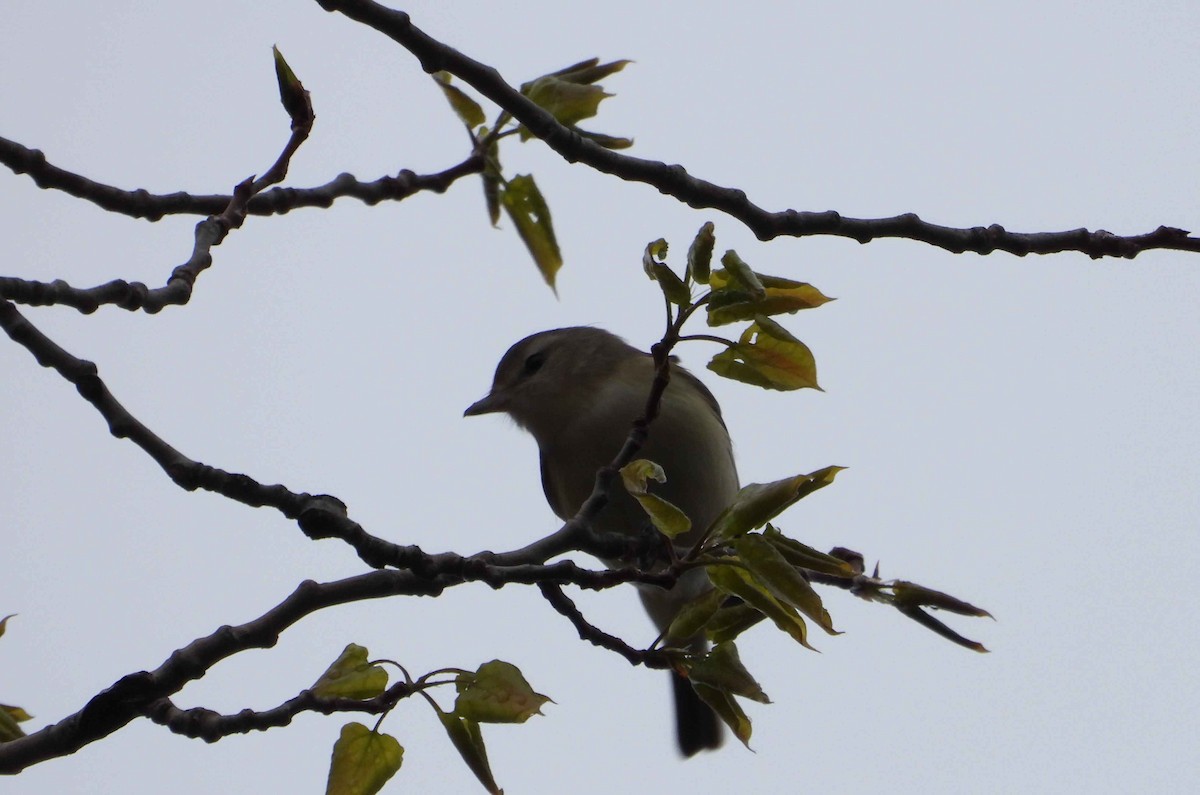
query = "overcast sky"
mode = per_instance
[{"x": 1019, "y": 432}]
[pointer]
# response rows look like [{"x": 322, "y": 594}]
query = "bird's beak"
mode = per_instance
[{"x": 488, "y": 404}]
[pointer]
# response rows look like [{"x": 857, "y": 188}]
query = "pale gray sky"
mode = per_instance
[{"x": 1020, "y": 432}]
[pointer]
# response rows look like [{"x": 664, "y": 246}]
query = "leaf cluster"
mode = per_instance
[
  {"x": 364, "y": 759},
  {"x": 765, "y": 354},
  {"x": 570, "y": 95},
  {"x": 756, "y": 576},
  {"x": 757, "y": 572}
]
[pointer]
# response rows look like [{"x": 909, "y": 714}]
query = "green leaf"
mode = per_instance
[
  {"x": 570, "y": 96},
  {"x": 658, "y": 270},
  {"x": 692, "y": 617},
  {"x": 727, "y": 710},
  {"x": 468, "y": 741},
  {"x": 589, "y": 71},
  {"x": 567, "y": 101},
  {"x": 655, "y": 253},
  {"x": 909, "y": 598},
  {"x": 722, "y": 668},
  {"x": 731, "y": 621},
  {"x": 292, "y": 96},
  {"x": 9, "y": 718},
  {"x": 909, "y": 594},
  {"x": 770, "y": 568},
  {"x": 637, "y": 474},
  {"x": 351, "y": 676},
  {"x": 672, "y": 286},
  {"x": 699, "y": 257},
  {"x": 736, "y": 582},
  {"x": 929, "y": 622},
  {"x": 758, "y": 503},
  {"x": 525, "y": 206},
  {"x": 497, "y": 693},
  {"x": 607, "y": 141},
  {"x": 467, "y": 108},
  {"x": 731, "y": 302},
  {"x": 492, "y": 179},
  {"x": 491, "y": 196},
  {"x": 767, "y": 358},
  {"x": 667, "y": 518},
  {"x": 805, "y": 557},
  {"x": 363, "y": 761},
  {"x": 742, "y": 274},
  {"x": 16, "y": 713}
]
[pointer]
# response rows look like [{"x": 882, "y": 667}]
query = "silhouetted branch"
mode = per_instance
[
  {"x": 209, "y": 233},
  {"x": 210, "y": 726},
  {"x": 143, "y": 693},
  {"x": 276, "y": 201},
  {"x": 674, "y": 180},
  {"x": 596, "y": 636}
]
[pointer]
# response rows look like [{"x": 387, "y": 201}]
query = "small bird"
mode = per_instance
[{"x": 578, "y": 391}]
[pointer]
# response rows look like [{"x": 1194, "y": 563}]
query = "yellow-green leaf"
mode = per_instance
[
  {"x": 722, "y": 668},
  {"x": 929, "y": 622},
  {"x": 731, "y": 302},
  {"x": 492, "y": 178},
  {"x": 464, "y": 733},
  {"x": 727, "y": 710},
  {"x": 699, "y": 257},
  {"x": 9, "y": 717},
  {"x": 737, "y": 582},
  {"x": 363, "y": 761},
  {"x": 762, "y": 358},
  {"x": 743, "y": 275},
  {"x": 497, "y": 693},
  {"x": 16, "y": 713},
  {"x": 292, "y": 96},
  {"x": 525, "y": 206},
  {"x": 637, "y": 474},
  {"x": 656, "y": 252},
  {"x": 758, "y": 503},
  {"x": 909, "y": 594},
  {"x": 491, "y": 197},
  {"x": 351, "y": 676},
  {"x": 731, "y": 621},
  {"x": 607, "y": 141},
  {"x": 589, "y": 71},
  {"x": 770, "y": 568},
  {"x": 567, "y": 101},
  {"x": 467, "y": 108},
  {"x": 806, "y": 557},
  {"x": 667, "y": 518},
  {"x": 672, "y": 286},
  {"x": 693, "y": 616}
]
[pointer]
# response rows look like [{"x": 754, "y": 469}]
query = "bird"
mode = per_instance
[{"x": 578, "y": 391}]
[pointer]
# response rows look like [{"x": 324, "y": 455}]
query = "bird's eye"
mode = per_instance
[{"x": 534, "y": 362}]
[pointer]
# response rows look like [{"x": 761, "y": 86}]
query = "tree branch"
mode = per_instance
[
  {"x": 143, "y": 693},
  {"x": 277, "y": 201},
  {"x": 210, "y": 726},
  {"x": 674, "y": 180},
  {"x": 598, "y": 637}
]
